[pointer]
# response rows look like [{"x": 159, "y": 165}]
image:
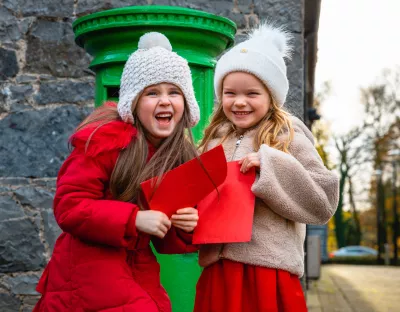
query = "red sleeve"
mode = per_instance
[
  {"x": 131, "y": 226},
  {"x": 175, "y": 241},
  {"x": 79, "y": 206}
]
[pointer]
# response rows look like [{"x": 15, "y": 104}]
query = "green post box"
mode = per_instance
[{"x": 110, "y": 37}]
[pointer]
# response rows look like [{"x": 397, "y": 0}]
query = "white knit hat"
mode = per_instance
[
  {"x": 154, "y": 63},
  {"x": 261, "y": 55}
]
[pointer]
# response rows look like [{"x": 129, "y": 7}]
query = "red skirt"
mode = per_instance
[{"x": 228, "y": 286}]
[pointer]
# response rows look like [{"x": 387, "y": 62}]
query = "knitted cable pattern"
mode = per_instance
[{"x": 151, "y": 66}]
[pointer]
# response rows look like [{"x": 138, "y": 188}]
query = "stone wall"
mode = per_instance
[{"x": 45, "y": 91}]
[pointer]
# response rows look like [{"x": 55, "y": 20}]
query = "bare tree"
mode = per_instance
[
  {"x": 350, "y": 148},
  {"x": 381, "y": 106}
]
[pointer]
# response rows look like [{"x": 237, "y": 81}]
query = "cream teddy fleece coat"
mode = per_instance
[{"x": 292, "y": 190}]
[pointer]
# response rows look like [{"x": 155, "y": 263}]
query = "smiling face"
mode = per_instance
[
  {"x": 159, "y": 109},
  {"x": 245, "y": 100}
]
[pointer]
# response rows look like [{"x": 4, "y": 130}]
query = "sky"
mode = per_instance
[{"x": 357, "y": 39}]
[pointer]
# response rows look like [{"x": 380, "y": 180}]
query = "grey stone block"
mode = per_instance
[
  {"x": 26, "y": 79},
  {"x": 4, "y": 107},
  {"x": 9, "y": 208},
  {"x": 8, "y": 64},
  {"x": 295, "y": 73},
  {"x": 37, "y": 140},
  {"x": 245, "y": 6},
  {"x": 35, "y": 197},
  {"x": 50, "y": 184},
  {"x": 161, "y": 2},
  {"x": 240, "y": 38},
  {"x": 31, "y": 300},
  {"x": 29, "y": 303},
  {"x": 29, "y": 308},
  {"x": 25, "y": 24},
  {"x": 65, "y": 92},
  {"x": 13, "y": 181},
  {"x": 238, "y": 18},
  {"x": 51, "y": 228},
  {"x": 48, "y": 8},
  {"x": 288, "y": 13},
  {"x": 22, "y": 284},
  {"x": 218, "y": 7},
  {"x": 19, "y": 107},
  {"x": 4, "y": 189},
  {"x": 20, "y": 93},
  {"x": 15, "y": 98},
  {"x": 9, "y": 303},
  {"x": 20, "y": 246},
  {"x": 90, "y": 6},
  {"x": 46, "y": 78},
  {"x": 9, "y": 30},
  {"x": 51, "y": 50}
]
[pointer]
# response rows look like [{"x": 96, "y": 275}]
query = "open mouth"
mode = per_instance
[
  {"x": 241, "y": 113},
  {"x": 164, "y": 118}
]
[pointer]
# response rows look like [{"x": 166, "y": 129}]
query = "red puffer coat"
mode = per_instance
[{"x": 100, "y": 262}]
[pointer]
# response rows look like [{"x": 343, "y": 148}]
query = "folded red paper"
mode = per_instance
[
  {"x": 187, "y": 184},
  {"x": 227, "y": 217}
]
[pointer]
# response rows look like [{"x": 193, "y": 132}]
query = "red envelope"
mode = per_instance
[
  {"x": 187, "y": 184},
  {"x": 227, "y": 218}
]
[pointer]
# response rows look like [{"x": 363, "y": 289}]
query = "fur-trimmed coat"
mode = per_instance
[{"x": 292, "y": 190}]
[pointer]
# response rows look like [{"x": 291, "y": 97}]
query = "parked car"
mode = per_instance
[{"x": 354, "y": 251}]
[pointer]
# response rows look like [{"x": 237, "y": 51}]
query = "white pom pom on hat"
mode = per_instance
[
  {"x": 154, "y": 39},
  {"x": 262, "y": 55},
  {"x": 154, "y": 63},
  {"x": 276, "y": 35}
]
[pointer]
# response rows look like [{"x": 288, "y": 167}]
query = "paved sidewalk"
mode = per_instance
[{"x": 351, "y": 288}]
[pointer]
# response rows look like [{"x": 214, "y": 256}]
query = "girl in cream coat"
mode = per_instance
[{"x": 292, "y": 187}]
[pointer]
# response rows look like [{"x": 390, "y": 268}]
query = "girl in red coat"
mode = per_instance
[
  {"x": 292, "y": 186},
  {"x": 103, "y": 261}
]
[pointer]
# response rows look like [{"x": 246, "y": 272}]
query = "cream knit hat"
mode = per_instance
[
  {"x": 154, "y": 63},
  {"x": 261, "y": 55}
]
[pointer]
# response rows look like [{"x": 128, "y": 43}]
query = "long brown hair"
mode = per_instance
[
  {"x": 275, "y": 123},
  {"x": 132, "y": 166}
]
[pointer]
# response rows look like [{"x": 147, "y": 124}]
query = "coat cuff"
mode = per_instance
[{"x": 131, "y": 230}]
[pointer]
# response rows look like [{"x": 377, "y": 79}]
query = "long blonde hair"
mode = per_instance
[
  {"x": 132, "y": 166},
  {"x": 269, "y": 130}
]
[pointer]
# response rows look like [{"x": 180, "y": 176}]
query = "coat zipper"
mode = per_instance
[
  {"x": 220, "y": 255},
  {"x": 236, "y": 146}
]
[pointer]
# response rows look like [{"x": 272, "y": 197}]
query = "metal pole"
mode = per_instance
[
  {"x": 386, "y": 247},
  {"x": 395, "y": 216},
  {"x": 378, "y": 173},
  {"x": 382, "y": 217},
  {"x": 383, "y": 214}
]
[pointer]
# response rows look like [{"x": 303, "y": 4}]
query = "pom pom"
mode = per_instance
[
  {"x": 154, "y": 39},
  {"x": 277, "y": 35}
]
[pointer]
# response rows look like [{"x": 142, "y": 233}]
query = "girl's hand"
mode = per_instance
[
  {"x": 185, "y": 219},
  {"x": 153, "y": 222},
  {"x": 251, "y": 160}
]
